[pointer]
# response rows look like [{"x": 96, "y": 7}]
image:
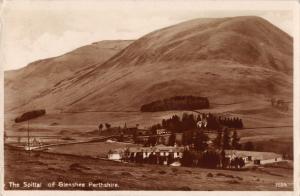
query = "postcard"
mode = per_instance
[{"x": 126, "y": 96}]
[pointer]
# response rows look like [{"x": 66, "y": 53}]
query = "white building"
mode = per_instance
[
  {"x": 258, "y": 158},
  {"x": 116, "y": 154}
]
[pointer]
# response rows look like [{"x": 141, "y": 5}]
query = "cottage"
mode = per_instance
[
  {"x": 143, "y": 132},
  {"x": 254, "y": 157},
  {"x": 162, "y": 131},
  {"x": 161, "y": 154},
  {"x": 116, "y": 154},
  {"x": 163, "y": 138}
]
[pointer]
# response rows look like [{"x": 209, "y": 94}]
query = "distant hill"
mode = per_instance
[{"x": 224, "y": 59}]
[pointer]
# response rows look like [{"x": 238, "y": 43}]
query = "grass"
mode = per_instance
[
  {"x": 96, "y": 149},
  {"x": 69, "y": 168},
  {"x": 51, "y": 166}
]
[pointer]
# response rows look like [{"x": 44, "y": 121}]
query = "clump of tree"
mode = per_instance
[
  {"x": 107, "y": 125},
  {"x": 30, "y": 115},
  {"x": 177, "y": 103},
  {"x": 231, "y": 122},
  {"x": 189, "y": 122},
  {"x": 279, "y": 104},
  {"x": 188, "y": 158},
  {"x": 227, "y": 140},
  {"x": 209, "y": 159}
]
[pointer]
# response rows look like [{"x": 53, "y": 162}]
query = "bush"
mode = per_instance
[
  {"x": 209, "y": 159},
  {"x": 187, "y": 158},
  {"x": 210, "y": 175},
  {"x": 162, "y": 172},
  {"x": 185, "y": 188},
  {"x": 30, "y": 115}
]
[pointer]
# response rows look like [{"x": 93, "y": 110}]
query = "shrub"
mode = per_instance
[
  {"x": 185, "y": 188},
  {"x": 210, "y": 175},
  {"x": 162, "y": 172},
  {"x": 126, "y": 174},
  {"x": 30, "y": 115}
]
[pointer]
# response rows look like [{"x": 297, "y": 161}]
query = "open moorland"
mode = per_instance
[{"x": 45, "y": 167}]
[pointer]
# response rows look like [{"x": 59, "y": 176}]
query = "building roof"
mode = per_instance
[
  {"x": 117, "y": 151},
  {"x": 254, "y": 154},
  {"x": 157, "y": 148}
]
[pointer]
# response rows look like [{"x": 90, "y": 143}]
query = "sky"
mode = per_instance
[{"x": 36, "y": 29}]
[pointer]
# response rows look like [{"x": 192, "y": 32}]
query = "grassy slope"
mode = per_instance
[
  {"x": 278, "y": 131},
  {"x": 230, "y": 59},
  {"x": 36, "y": 78},
  {"x": 44, "y": 167}
]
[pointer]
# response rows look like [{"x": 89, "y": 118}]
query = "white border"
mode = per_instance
[{"x": 205, "y": 5}]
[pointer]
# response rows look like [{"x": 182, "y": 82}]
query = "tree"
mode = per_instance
[
  {"x": 241, "y": 162},
  {"x": 107, "y": 126},
  {"x": 209, "y": 159},
  {"x": 170, "y": 159},
  {"x": 187, "y": 158},
  {"x": 218, "y": 140},
  {"x": 249, "y": 146},
  {"x": 121, "y": 137},
  {"x": 152, "y": 140},
  {"x": 100, "y": 127},
  {"x": 172, "y": 140},
  {"x": 164, "y": 124},
  {"x": 235, "y": 141},
  {"x": 226, "y": 139},
  {"x": 139, "y": 157},
  {"x": 126, "y": 154},
  {"x": 200, "y": 141}
]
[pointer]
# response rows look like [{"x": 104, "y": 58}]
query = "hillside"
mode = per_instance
[
  {"x": 23, "y": 85},
  {"x": 226, "y": 59}
]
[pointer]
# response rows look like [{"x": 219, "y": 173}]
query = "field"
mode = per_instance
[
  {"x": 269, "y": 129},
  {"x": 263, "y": 124},
  {"x": 94, "y": 149},
  {"x": 48, "y": 167}
]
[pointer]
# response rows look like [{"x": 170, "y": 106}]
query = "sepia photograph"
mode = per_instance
[{"x": 148, "y": 95}]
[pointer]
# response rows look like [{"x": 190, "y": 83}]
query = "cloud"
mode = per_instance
[{"x": 51, "y": 28}]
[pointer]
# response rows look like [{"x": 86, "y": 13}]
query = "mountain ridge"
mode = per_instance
[{"x": 223, "y": 59}]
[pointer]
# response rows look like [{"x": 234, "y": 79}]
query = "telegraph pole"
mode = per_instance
[{"x": 28, "y": 145}]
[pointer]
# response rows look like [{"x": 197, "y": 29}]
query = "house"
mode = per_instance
[
  {"x": 163, "y": 138},
  {"x": 159, "y": 154},
  {"x": 141, "y": 136},
  {"x": 143, "y": 132},
  {"x": 160, "y": 150},
  {"x": 130, "y": 130},
  {"x": 116, "y": 154},
  {"x": 254, "y": 157},
  {"x": 162, "y": 131}
]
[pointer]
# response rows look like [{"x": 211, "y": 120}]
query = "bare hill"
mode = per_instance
[
  {"x": 227, "y": 60},
  {"x": 23, "y": 85}
]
